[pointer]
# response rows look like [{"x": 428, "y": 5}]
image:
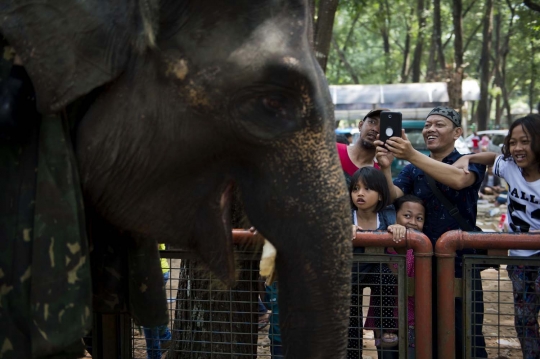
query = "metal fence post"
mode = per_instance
[
  {"x": 423, "y": 253},
  {"x": 445, "y": 251}
]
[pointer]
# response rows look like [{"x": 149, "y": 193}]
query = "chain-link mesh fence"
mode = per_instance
[{"x": 509, "y": 319}]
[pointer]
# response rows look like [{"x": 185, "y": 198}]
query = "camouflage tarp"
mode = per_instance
[
  {"x": 45, "y": 288},
  {"x": 46, "y": 297}
]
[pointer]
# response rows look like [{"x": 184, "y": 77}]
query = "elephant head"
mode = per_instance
[{"x": 192, "y": 97}]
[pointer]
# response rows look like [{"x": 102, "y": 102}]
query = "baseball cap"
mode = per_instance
[
  {"x": 447, "y": 112},
  {"x": 375, "y": 113}
]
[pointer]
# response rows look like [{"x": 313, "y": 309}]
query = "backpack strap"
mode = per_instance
[{"x": 452, "y": 208}]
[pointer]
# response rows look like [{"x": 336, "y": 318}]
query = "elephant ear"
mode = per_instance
[{"x": 70, "y": 47}]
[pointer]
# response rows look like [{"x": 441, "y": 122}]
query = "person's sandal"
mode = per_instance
[{"x": 388, "y": 340}]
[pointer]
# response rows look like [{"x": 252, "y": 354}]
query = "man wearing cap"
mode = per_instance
[
  {"x": 441, "y": 130},
  {"x": 363, "y": 152}
]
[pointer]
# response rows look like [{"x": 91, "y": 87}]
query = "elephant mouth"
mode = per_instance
[{"x": 211, "y": 237}]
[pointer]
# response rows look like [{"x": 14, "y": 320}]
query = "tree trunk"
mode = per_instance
[
  {"x": 405, "y": 65},
  {"x": 406, "y": 54},
  {"x": 454, "y": 86},
  {"x": 438, "y": 31},
  {"x": 431, "y": 65},
  {"x": 508, "y": 113},
  {"x": 326, "y": 13},
  {"x": 497, "y": 20},
  {"x": 437, "y": 65},
  {"x": 532, "y": 84},
  {"x": 385, "y": 33},
  {"x": 483, "y": 104},
  {"x": 417, "y": 57},
  {"x": 503, "y": 54},
  {"x": 473, "y": 117},
  {"x": 498, "y": 110}
]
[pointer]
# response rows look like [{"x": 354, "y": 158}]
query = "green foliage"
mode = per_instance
[
  {"x": 363, "y": 45},
  {"x": 360, "y": 25}
]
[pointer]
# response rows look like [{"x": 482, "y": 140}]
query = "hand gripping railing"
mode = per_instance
[{"x": 445, "y": 251}]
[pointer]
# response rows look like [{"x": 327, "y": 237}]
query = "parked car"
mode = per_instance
[
  {"x": 497, "y": 139},
  {"x": 347, "y": 132},
  {"x": 461, "y": 146}
]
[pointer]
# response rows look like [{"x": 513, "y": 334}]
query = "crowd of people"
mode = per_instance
[{"x": 418, "y": 199}]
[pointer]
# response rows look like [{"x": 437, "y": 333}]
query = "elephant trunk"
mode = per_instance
[
  {"x": 313, "y": 301},
  {"x": 312, "y": 238}
]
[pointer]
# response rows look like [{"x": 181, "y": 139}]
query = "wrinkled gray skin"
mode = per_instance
[{"x": 198, "y": 95}]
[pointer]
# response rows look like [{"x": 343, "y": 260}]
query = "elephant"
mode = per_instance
[{"x": 184, "y": 100}]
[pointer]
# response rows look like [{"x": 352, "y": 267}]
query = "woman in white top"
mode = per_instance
[{"x": 519, "y": 165}]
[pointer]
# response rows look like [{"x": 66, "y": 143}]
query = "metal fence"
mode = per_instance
[
  {"x": 498, "y": 328},
  {"x": 495, "y": 314},
  {"x": 209, "y": 320},
  {"x": 212, "y": 321}
]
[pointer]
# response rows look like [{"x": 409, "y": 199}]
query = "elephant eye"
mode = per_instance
[
  {"x": 267, "y": 114},
  {"x": 276, "y": 103}
]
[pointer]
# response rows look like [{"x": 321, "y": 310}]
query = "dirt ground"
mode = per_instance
[{"x": 498, "y": 320}]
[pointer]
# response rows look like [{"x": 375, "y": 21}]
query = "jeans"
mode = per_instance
[
  {"x": 526, "y": 288},
  {"x": 156, "y": 335},
  {"x": 276, "y": 350}
]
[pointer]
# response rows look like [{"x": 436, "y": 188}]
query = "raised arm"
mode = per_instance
[
  {"x": 441, "y": 172},
  {"x": 385, "y": 158},
  {"x": 484, "y": 158}
]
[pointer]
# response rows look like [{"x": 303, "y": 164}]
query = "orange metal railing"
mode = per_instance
[{"x": 445, "y": 251}]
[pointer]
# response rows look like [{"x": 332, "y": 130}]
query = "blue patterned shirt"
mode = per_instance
[{"x": 411, "y": 180}]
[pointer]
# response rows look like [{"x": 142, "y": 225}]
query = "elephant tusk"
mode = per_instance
[{"x": 268, "y": 262}]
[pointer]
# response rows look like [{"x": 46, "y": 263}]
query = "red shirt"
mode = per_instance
[{"x": 346, "y": 163}]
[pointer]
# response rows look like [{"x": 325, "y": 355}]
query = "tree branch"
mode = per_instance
[
  {"x": 345, "y": 62},
  {"x": 351, "y": 30},
  {"x": 471, "y": 37},
  {"x": 468, "y": 8},
  {"x": 448, "y": 40}
]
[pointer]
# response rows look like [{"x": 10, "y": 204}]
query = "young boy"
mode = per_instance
[{"x": 410, "y": 213}]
